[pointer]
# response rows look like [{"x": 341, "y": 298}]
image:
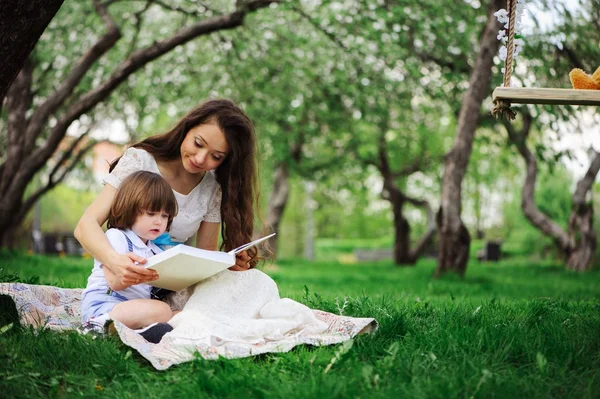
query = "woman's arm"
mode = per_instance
[
  {"x": 89, "y": 233},
  {"x": 113, "y": 281},
  {"x": 208, "y": 238}
]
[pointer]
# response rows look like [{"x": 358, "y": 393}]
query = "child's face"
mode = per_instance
[{"x": 149, "y": 225}]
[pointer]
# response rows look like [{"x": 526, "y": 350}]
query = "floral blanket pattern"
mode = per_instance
[
  {"x": 233, "y": 315},
  {"x": 45, "y": 306}
]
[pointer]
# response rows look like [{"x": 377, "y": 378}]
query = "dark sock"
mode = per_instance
[{"x": 155, "y": 332}]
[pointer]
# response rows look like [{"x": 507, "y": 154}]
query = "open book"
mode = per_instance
[{"x": 183, "y": 265}]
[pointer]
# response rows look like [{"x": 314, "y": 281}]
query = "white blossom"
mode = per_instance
[
  {"x": 502, "y": 16},
  {"x": 502, "y": 53}
]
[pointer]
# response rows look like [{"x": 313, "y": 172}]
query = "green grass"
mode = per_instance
[{"x": 507, "y": 330}]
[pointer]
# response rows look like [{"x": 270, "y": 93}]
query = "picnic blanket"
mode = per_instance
[{"x": 232, "y": 314}]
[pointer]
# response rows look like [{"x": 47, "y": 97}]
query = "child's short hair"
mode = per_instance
[{"x": 141, "y": 191}]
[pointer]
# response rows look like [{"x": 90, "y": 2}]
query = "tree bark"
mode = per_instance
[
  {"x": 530, "y": 209},
  {"x": 418, "y": 249},
  {"x": 454, "y": 237},
  {"x": 578, "y": 243},
  {"x": 581, "y": 222},
  {"x": 18, "y": 101},
  {"x": 22, "y": 22},
  {"x": 277, "y": 203},
  {"x": 27, "y": 155},
  {"x": 403, "y": 255}
]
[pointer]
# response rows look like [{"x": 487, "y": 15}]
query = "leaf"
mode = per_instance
[
  {"x": 341, "y": 351},
  {"x": 6, "y": 328},
  {"x": 542, "y": 362}
]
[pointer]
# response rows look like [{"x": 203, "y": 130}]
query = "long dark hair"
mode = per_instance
[{"x": 237, "y": 175}]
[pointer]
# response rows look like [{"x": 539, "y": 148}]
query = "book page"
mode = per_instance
[
  {"x": 183, "y": 265},
  {"x": 250, "y": 245}
]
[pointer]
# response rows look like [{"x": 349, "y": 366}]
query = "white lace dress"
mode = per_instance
[
  {"x": 240, "y": 314},
  {"x": 203, "y": 203}
]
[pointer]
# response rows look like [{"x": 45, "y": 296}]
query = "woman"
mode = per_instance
[
  {"x": 229, "y": 314},
  {"x": 209, "y": 160}
]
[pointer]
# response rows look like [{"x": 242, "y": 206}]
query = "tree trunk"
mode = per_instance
[
  {"x": 454, "y": 237},
  {"x": 22, "y": 22},
  {"x": 18, "y": 101},
  {"x": 397, "y": 198},
  {"x": 429, "y": 233},
  {"x": 579, "y": 242},
  {"x": 541, "y": 221},
  {"x": 309, "y": 230},
  {"x": 277, "y": 203},
  {"x": 581, "y": 225},
  {"x": 402, "y": 254},
  {"x": 581, "y": 222},
  {"x": 8, "y": 236}
]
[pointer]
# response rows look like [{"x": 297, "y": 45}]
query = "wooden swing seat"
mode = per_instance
[{"x": 523, "y": 95}]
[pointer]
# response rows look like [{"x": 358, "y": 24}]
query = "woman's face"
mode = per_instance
[{"x": 204, "y": 148}]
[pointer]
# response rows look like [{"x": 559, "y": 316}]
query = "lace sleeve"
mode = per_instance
[
  {"x": 214, "y": 207},
  {"x": 131, "y": 161}
]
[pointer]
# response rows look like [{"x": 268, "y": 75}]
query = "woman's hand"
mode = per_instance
[
  {"x": 241, "y": 262},
  {"x": 127, "y": 272}
]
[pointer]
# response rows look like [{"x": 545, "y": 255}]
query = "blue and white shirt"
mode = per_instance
[{"x": 116, "y": 238}]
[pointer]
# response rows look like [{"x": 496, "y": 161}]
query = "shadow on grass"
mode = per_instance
[
  {"x": 8, "y": 311},
  {"x": 8, "y": 308}
]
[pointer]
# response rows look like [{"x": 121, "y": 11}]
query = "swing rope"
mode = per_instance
[{"x": 502, "y": 107}]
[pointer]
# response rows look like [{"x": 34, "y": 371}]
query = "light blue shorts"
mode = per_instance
[{"x": 97, "y": 302}]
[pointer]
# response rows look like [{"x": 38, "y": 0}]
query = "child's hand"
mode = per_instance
[
  {"x": 241, "y": 262},
  {"x": 128, "y": 271}
]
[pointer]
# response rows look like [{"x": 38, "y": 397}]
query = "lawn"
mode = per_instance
[{"x": 516, "y": 328}]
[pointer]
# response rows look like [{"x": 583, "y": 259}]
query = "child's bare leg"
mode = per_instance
[{"x": 139, "y": 313}]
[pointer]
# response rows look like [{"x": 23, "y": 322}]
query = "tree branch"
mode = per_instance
[
  {"x": 52, "y": 103},
  {"x": 66, "y": 155},
  {"x": 33, "y": 198},
  {"x": 415, "y": 253},
  {"x": 530, "y": 209},
  {"x": 137, "y": 26},
  {"x": 584, "y": 185},
  {"x": 136, "y": 61},
  {"x": 178, "y": 9}
]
